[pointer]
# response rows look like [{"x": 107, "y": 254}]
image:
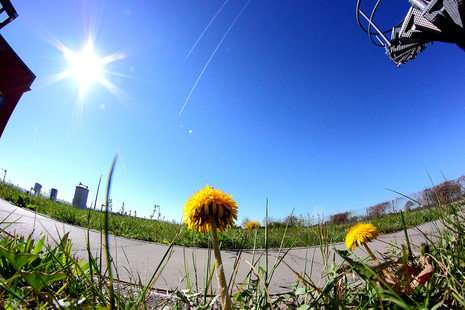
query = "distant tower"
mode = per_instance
[
  {"x": 80, "y": 196},
  {"x": 53, "y": 194},
  {"x": 37, "y": 188}
]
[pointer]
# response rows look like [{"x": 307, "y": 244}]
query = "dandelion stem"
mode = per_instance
[
  {"x": 386, "y": 274},
  {"x": 224, "y": 294},
  {"x": 371, "y": 254}
]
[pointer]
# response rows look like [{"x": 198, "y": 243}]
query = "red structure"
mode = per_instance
[{"x": 15, "y": 76}]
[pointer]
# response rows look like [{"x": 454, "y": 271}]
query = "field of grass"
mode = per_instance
[
  {"x": 34, "y": 275},
  {"x": 233, "y": 238}
]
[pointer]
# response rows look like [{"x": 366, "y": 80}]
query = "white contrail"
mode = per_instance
[
  {"x": 162, "y": 180},
  {"x": 201, "y": 35},
  {"x": 34, "y": 140},
  {"x": 213, "y": 54},
  {"x": 122, "y": 162}
]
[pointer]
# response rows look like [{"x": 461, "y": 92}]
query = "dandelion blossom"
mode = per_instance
[
  {"x": 210, "y": 210},
  {"x": 252, "y": 225},
  {"x": 360, "y": 234},
  {"x": 207, "y": 204}
]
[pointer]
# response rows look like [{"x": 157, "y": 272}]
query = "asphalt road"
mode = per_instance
[{"x": 142, "y": 258}]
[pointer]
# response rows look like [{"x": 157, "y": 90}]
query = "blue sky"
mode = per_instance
[{"x": 296, "y": 105}]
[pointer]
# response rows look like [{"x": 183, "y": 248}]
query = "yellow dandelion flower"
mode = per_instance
[
  {"x": 360, "y": 234},
  {"x": 208, "y": 203},
  {"x": 252, "y": 225}
]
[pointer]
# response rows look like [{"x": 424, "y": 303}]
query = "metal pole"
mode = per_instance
[
  {"x": 420, "y": 4},
  {"x": 4, "y": 176},
  {"x": 376, "y": 28}
]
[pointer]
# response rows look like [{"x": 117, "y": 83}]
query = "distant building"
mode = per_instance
[
  {"x": 80, "y": 196},
  {"x": 53, "y": 194},
  {"x": 15, "y": 76},
  {"x": 37, "y": 188}
]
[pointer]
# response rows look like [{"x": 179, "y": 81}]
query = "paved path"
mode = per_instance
[{"x": 142, "y": 257}]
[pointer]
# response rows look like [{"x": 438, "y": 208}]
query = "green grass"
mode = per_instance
[
  {"x": 235, "y": 238},
  {"x": 34, "y": 275}
]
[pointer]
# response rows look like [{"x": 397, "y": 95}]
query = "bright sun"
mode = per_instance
[{"x": 85, "y": 66}]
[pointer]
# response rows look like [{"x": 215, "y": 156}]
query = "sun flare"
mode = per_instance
[{"x": 84, "y": 66}]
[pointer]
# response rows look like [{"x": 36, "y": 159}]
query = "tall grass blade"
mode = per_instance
[
  {"x": 107, "y": 237},
  {"x": 266, "y": 242},
  {"x": 406, "y": 234},
  {"x": 262, "y": 281}
]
